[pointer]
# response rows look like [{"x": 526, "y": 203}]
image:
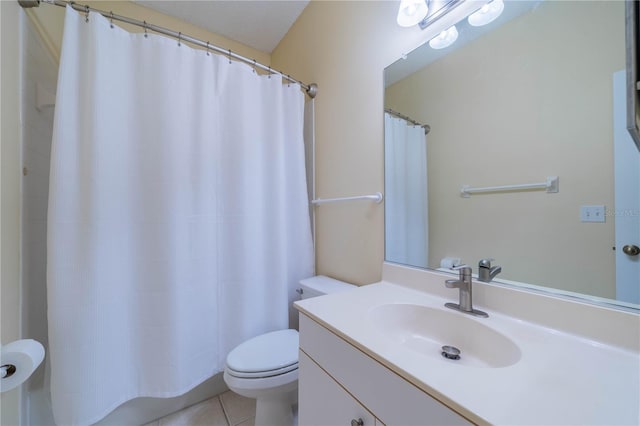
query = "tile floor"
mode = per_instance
[{"x": 227, "y": 409}]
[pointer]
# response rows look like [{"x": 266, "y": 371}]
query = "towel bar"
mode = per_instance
[
  {"x": 377, "y": 198},
  {"x": 550, "y": 185}
]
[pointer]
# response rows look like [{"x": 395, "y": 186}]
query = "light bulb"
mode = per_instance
[
  {"x": 411, "y": 12},
  {"x": 487, "y": 13},
  {"x": 445, "y": 39}
]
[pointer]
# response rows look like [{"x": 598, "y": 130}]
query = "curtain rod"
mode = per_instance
[
  {"x": 311, "y": 89},
  {"x": 426, "y": 127}
]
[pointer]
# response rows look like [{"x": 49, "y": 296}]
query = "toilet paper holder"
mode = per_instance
[
  {"x": 18, "y": 361},
  {"x": 7, "y": 370}
]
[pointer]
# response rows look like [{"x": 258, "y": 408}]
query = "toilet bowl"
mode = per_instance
[{"x": 266, "y": 366}]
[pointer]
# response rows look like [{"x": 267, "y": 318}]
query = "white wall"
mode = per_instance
[
  {"x": 10, "y": 196},
  {"x": 39, "y": 79}
]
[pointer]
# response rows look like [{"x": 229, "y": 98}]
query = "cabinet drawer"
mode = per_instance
[
  {"x": 323, "y": 402},
  {"x": 388, "y": 396}
]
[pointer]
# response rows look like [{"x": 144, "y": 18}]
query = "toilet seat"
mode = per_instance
[
  {"x": 262, "y": 374},
  {"x": 264, "y": 386},
  {"x": 267, "y": 355}
]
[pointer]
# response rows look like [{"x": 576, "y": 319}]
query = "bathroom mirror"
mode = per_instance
[{"x": 526, "y": 98}]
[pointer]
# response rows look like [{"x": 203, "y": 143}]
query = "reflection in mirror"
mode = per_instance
[
  {"x": 406, "y": 231},
  {"x": 528, "y": 96}
]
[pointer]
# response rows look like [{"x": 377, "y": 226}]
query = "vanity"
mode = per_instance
[{"x": 372, "y": 356}]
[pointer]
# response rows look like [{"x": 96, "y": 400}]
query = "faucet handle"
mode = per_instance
[
  {"x": 486, "y": 272},
  {"x": 458, "y": 267},
  {"x": 485, "y": 263}
]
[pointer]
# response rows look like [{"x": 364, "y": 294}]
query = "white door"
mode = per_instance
[{"x": 627, "y": 198}]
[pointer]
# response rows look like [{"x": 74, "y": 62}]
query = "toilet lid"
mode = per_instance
[{"x": 267, "y": 352}]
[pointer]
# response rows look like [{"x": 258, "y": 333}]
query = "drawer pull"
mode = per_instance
[{"x": 358, "y": 422}]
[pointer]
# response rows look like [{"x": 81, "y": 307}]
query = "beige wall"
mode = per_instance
[
  {"x": 10, "y": 187},
  {"x": 516, "y": 106},
  {"x": 343, "y": 46}
]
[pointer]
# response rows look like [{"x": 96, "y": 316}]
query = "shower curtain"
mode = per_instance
[
  {"x": 178, "y": 215},
  {"x": 406, "y": 214}
]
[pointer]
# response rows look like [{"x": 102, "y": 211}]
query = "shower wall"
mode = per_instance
[
  {"x": 10, "y": 190},
  {"x": 39, "y": 76}
]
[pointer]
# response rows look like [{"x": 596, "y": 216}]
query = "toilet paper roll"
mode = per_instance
[{"x": 17, "y": 361}]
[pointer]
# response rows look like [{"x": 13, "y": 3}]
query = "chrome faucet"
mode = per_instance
[
  {"x": 464, "y": 283},
  {"x": 485, "y": 272}
]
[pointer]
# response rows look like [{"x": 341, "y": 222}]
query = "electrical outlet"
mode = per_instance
[{"x": 592, "y": 214}]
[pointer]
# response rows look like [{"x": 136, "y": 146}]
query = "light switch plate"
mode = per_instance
[{"x": 592, "y": 214}]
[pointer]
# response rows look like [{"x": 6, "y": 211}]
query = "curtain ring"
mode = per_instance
[
  {"x": 269, "y": 72},
  {"x": 254, "y": 66},
  {"x": 288, "y": 80},
  {"x": 179, "y": 37},
  {"x": 229, "y": 56},
  {"x": 208, "y": 49},
  {"x": 111, "y": 20},
  {"x": 145, "y": 29},
  {"x": 86, "y": 11}
]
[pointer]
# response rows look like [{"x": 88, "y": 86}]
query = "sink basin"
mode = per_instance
[{"x": 426, "y": 330}]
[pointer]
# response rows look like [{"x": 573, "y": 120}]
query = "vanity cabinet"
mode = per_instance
[
  {"x": 325, "y": 402},
  {"x": 339, "y": 383}
]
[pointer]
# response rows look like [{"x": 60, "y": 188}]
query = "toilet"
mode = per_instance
[{"x": 266, "y": 366}]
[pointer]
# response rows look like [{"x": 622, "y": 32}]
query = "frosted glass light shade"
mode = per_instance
[
  {"x": 411, "y": 12},
  {"x": 445, "y": 39},
  {"x": 487, "y": 13}
]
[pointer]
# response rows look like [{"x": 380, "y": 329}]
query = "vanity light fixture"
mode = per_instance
[
  {"x": 411, "y": 12},
  {"x": 445, "y": 39},
  {"x": 486, "y": 14}
]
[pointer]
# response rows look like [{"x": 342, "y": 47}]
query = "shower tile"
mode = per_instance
[
  {"x": 238, "y": 408},
  {"x": 206, "y": 413}
]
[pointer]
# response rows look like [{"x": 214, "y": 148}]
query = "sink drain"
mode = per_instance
[{"x": 451, "y": 352}]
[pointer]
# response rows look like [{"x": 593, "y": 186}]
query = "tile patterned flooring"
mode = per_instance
[{"x": 227, "y": 409}]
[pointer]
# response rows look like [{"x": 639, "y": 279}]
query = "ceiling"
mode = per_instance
[{"x": 260, "y": 24}]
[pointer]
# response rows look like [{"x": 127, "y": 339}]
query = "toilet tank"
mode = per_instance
[{"x": 321, "y": 285}]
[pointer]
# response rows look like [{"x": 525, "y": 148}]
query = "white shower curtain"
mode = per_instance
[
  {"x": 406, "y": 215},
  {"x": 178, "y": 215}
]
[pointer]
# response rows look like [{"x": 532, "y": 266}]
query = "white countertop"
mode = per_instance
[{"x": 560, "y": 378}]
